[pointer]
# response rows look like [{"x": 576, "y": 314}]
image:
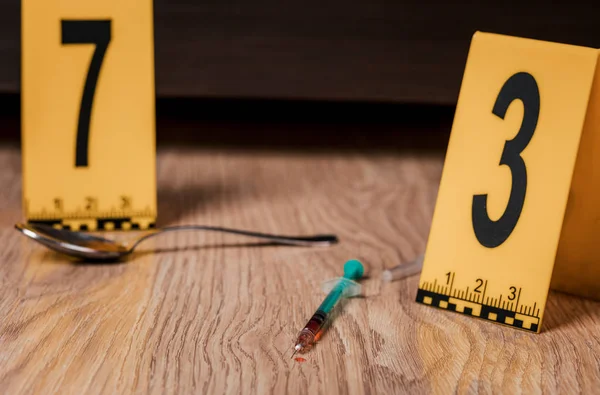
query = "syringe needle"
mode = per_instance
[{"x": 294, "y": 353}]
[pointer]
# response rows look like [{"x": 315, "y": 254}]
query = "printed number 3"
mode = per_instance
[
  {"x": 87, "y": 32},
  {"x": 493, "y": 233}
]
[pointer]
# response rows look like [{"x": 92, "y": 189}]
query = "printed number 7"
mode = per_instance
[
  {"x": 87, "y": 32},
  {"x": 492, "y": 233}
]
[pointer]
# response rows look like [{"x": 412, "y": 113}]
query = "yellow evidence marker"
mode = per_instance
[
  {"x": 501, "y": 226},
  {"x": 88, "y": 114}
]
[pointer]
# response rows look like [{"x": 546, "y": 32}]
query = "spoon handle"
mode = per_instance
[{"x": 315, "y": 240}]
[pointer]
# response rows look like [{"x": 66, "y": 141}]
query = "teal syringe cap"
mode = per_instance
[{"x": 353, "y": 269}]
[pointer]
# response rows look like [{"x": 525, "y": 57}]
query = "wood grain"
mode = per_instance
[{"x": 207, "y": 313}]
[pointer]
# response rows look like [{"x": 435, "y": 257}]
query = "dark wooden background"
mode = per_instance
[{"x": 369, "y": 50}]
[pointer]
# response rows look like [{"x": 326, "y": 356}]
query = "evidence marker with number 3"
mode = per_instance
[
  {"x": 88, "y": 116},
  {"x": 523, "y": 108}
]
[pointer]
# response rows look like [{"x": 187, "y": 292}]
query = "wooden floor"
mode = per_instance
[{"x": 207, "y": 313}]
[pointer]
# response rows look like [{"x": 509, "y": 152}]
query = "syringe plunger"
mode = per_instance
[{"x": 404, "y": 270}]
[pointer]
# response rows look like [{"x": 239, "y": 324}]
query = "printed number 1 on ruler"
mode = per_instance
[
  {"x": 514, "y": 198},
  {"x": 88, "y": 114}
]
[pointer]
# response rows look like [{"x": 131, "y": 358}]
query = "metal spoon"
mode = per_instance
[{"x": 86, "y": 246}]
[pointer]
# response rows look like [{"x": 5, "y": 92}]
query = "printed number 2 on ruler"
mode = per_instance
[
  {"x": 88, "y": 130},
  {"x": 506, "y": 180}
]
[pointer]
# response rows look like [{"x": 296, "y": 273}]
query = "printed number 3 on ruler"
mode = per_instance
[
  {"x": 512, "y": 165},
  {"x": 88, "y": 129}
]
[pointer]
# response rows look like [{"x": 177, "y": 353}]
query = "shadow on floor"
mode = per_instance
[
  {"x": 564, "y": 310},
  {"x": 304, "y": 125}
]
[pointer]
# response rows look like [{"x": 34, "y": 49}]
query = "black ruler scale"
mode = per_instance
[
  {"x": 503, "y": 309},
  {"x": 94, "y": 220}
]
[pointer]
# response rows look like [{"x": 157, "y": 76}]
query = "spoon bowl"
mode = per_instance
[
  {"x": 75, "y": 244},
  {"x": 85, "y": 246}
]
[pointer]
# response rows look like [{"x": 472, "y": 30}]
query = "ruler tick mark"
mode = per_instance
[{"x": 484, "y": 289}]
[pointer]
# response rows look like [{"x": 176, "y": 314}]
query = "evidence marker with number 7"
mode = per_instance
[
  {"x": 88, "y": 115},
  {"x": 507, "y": 178}
]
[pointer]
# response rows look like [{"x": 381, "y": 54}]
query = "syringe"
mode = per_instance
[
  {"x": 338, "y": 288},
  {"x": 403, "y": 270}
]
